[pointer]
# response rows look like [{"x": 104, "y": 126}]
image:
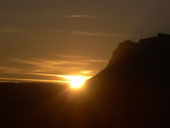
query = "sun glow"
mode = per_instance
[{"x": 76, "y": 82}]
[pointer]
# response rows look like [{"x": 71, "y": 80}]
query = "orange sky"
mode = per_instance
[{"x": 43, "y": 38}]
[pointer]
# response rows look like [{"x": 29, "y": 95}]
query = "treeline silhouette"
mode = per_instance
[{"x": 131, "y": 92}]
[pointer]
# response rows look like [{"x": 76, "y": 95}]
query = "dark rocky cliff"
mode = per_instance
[{"x": 134, "y": 88}]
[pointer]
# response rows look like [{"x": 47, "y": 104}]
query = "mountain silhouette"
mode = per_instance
[
  {"x": 147, "y": 59},
  {"x": 131, "y": 92}
]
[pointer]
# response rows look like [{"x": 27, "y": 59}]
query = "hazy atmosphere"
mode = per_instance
[
  {"x": 84, "y": 63},
  {"x": 41, "y": 40}
]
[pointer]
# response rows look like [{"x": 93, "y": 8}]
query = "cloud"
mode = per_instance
[
  {"x": 8, "y": 69},
  {"x": 41, "y": 74},
  {"x": 96, "y": 60},
  {"x": 30, "y": 80},
  {"x": 10, "y": 30},
  {"x": 47, "y": 63},
  {"x": 69, "y": 15},
  {"x": 16, "y": 30},
  {"x": 51, "y": 68},
  {"x": 86, "y": 33},
  {"x": 61, "y": 64},
  {"x": 61, "y": 61},
  {"x": 69, "y": 56},
  {"x": 86, "y": 72},
  {"x": 79, "y": 16}
]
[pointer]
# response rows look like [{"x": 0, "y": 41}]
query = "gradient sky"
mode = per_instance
[{"x": 40, "y": 39}]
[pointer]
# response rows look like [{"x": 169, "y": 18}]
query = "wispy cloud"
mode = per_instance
[
  {"x": 30, "y": 80},
  {"x": 69, "y": 15},
  {"x": 86, "y": 33},
  {"x": 86, "y": 72},
  {"x": 46, "y": 63},
  {"x": 79, "y": 57},
  {"x": 10, "y": 30},
  {"x": 69, "y": 56},
  {"x": 8, "y": 69},
  {"x": 51, "y": 68},
  {"x": 79, "y": 16},
  {"x": 96, "y": 60},
  {"x": 16, "y": 30},
  {"x": 62, "y": 60}
]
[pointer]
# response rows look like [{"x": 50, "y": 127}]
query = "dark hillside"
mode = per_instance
[{"x": 133, "y": 90}]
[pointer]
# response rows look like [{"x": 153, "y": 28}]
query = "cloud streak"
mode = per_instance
[
  {"x": 51, "y": 69},
  {"x": 75, "y": 32},
  {"x": 79, "y": 16},
  {"x": 8, "y": 69},
  {"x": 10, "y": 30},
  {"x": 85, "y": 16},
  {"x": 62, "y": 60},
  {"x": 87, "y": 33},
  {"x": 30, "y": 80}
]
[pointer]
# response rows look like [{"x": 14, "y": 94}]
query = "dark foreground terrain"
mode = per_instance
[{"x": 133, "y": 91}]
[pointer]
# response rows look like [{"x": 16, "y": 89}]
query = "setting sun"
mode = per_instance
[{"x": 75, "y": 82}]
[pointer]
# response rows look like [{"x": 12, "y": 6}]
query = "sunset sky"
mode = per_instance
[{"x": 40, "y": 40}]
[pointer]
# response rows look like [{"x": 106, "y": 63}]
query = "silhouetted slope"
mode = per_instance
[
  {"x": 133, "y": 90},
  {"x": 148, "y": 59}
]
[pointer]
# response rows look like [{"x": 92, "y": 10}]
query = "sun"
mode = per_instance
[{"x": 77, "y": 81}]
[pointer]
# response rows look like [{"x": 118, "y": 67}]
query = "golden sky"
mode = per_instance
[{"x": 40, "y": 39}]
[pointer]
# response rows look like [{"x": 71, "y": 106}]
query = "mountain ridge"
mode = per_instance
[
  {"x": 146, "y": 56},
  {"x": 134, "y": 86}
]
